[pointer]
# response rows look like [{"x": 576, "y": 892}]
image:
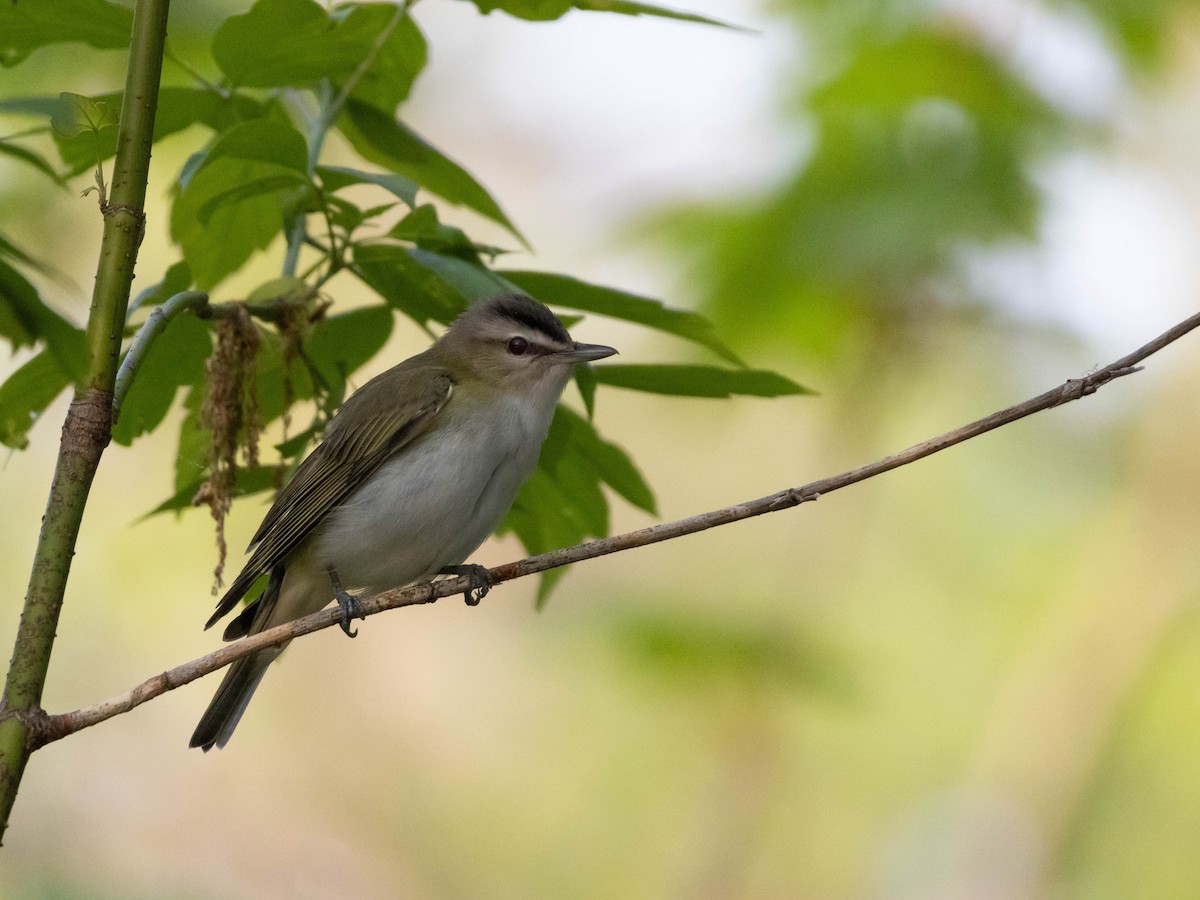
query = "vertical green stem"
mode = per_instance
[{"x": 88, "y": 425}]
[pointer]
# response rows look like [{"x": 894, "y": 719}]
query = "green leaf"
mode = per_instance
[
  {"x": 407, "y": 285},
  {"x": 7, "y": 148},
  {"x": 609, "y": 461},
  {"x": 285, "y": 287},
  {"x": 626, "y": 8},
  {"x": 281, "y": 43},
  {"x": 377, "y": 210},
  {"x": 386, "y": 142},
  {"x": 263, "y": 141},
  {"x": 578, "y": 481},
  {"x": 540, "y": 516},
  {"x": 562, "y": 504},
  {"x": 249, "y": 480},
  {"x": 275, "y": 380},
  {"x": 217, "y": 247},
  {"x": 77, "y": 114},
  {"x": 66, "y": 343},
  {"x": 38, "y": 107},
  {"x": 562, "y": 290},
  {"x": 544, "y": 518},
  {"x": 547, "y": 10},
  {"x": 344, "y": 215},
  {"x": 398, "y": 61},
  {"x": 265, "y": 184},
  {"x": 347, "y": 217},
  {"x": 19, "y": 301},
  {"x": 178, "y": 108},
  {"x": 530, "y": 10},
  {"x": 698, "y": 381},
  {"x": 296, "y": 43},
  {"x": 29, "y": 24},
  {"x": 24, "y": 319},
  {"x": 26, "y": 394},
  {"x": 334, "y": 178},
  {"x": 297, "y": 444},
  {"x": 81, "y": 152},
  {"x": 342, "y": 344},
  {"x": 422, "y": 222},
  {"x": 471, "y": 280},
  {"x": 421, "y": 227},
  {"x": 88, "y": 126},
  {"x": 571, "y": 470},
  {"x": 233, "y": 202},
  {"x": 585, "y": 381},
  {"x": 176, "y": 359},
  {"x": 12, "y": 251},
  {"x": 191, "y": 460}
]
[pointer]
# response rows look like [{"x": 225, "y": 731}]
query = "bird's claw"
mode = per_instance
[
  {"x": 351, "y": 608},
  {"x": 479, "y": 581},
  {"x": 350, "y": 605}
]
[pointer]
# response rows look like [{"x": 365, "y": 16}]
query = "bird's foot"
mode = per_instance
[
  {"x": 479, "y": 581},
  {"x": 350, "y": 605},
  {"x": 351, "y": 608}
]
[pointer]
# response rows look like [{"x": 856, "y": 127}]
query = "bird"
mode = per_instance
[{"x": 412, "y": 474}]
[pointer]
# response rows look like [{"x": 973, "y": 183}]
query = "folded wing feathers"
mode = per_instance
[{"x": 346, "y": 457}]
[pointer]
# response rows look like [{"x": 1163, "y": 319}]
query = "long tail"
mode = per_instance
[{"x": 233, "y": 696}]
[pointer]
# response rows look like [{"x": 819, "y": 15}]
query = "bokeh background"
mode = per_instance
[{"x": 976, "y": 677}]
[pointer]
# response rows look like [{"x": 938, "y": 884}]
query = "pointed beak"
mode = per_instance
[{"x": 585, "y": 353}]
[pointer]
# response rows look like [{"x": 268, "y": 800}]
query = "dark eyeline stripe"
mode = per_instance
[{"x": 533, "y": 315}]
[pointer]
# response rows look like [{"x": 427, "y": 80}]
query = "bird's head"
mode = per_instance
[{"x": 515, "y": 344}]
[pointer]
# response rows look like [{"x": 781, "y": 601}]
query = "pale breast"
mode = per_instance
[{"x": 436, "y": 501}]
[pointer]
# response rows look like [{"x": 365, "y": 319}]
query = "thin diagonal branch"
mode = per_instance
[{"x": 49, "y": 728}]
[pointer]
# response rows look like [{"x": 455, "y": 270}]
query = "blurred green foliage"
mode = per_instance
[{"x": 925, "y": 138}]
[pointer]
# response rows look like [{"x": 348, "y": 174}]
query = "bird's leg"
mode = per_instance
[
  {"x": 350, "y": 605},
  {"x": 479, "y": 578}
]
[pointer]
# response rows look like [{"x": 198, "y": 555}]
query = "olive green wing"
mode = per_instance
[{"x": 375, "y": 423}]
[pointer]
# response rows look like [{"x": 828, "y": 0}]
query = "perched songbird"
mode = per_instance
[{"x": 414, "y": 472}]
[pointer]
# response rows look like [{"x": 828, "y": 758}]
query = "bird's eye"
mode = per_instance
[{"x": 518, "y": 346}]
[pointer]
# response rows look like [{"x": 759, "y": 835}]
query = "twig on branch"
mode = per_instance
[
  {"x": 156, "y": 324},
  {"x": 49, "y": 728},
  {"x": 274, "y": 309}
]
